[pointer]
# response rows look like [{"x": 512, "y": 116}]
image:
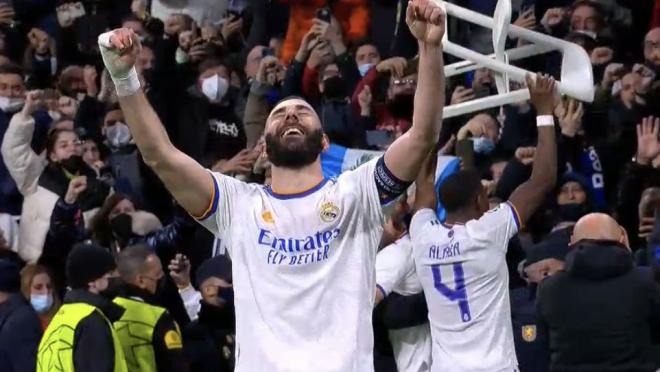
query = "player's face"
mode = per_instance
[{"x": 294, "y": 137}]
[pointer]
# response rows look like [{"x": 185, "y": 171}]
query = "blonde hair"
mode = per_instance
[{"x": 27, "y": 276}]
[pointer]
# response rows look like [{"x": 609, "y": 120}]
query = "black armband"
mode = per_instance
[{"x": 388, "y": 185}]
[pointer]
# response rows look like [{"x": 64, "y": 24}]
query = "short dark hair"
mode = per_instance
[
  {"x": 459, "y": 189},
  {"x": 130, "y": 261},
  {"x": 593, "y": 5},
  {"x": 214, "y": 62},
  {"x": 362, "y": 42},
  {"x": 12, "y": 69}
]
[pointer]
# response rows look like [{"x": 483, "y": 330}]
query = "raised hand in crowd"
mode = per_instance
[
  {"x": 613, "y": 72},
  {"x": 139, "y": 8},
  {"x": 270, "y": 71},
  {"x": 321, "y": 54},
  {"x": 7, "y": 14},
  {"x": 33, "y": 102},
  {"x": 174, "y": 24},
  {"x": 601, "y": 55},
  {"x": 647, "y": 78},
  {"x": 230, "y": 26},
  {"x": 364, "y": 100},
  {"x": 648, "y": 144},
  {"x": 526, "y": 19},
  {"x": 570, "y": 113},
  {"x": 462, "y": 94},
  {"x": 76, "y": 187},
  {"x": 552, "y": 18},
  {"x": 179, "y": 269},
  {"x": 308, "y": 42},
  {"x": 525, "y": 155},
  {"x": 332, "y": 32},
  {"x": 395, "y": 66},
  {"x": 67, "y": 106}
]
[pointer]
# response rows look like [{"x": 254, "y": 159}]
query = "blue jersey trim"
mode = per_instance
[
  {"x": 516, "y": 217},
  {"x": 213, "y": 205},
  {"x": 382, "y": 291},
  {"x": 298, "y": 194}
]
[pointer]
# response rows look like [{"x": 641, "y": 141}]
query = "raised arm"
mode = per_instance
[
  {"x": 531, "y": 194},
  {"x": 405, "y": 156},
  {"x": 190, "y": 184}
]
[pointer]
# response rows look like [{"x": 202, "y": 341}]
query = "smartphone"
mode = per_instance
[
  {"x": 324, "y": 14},
  {"x": 465, "y": 151},
  {"x": 481, "y": 92},
  {"x": 265, "y": 52}
]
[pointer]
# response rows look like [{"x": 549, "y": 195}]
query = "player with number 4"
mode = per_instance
[{"x": 461, "y": 261}]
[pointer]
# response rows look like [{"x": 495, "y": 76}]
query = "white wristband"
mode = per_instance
[
  {"x": 128, "y": 85},
  {"x": 545, "y": 121}
]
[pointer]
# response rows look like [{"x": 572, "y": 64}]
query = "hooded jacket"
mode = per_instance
[{"x": 599, "y": 314}]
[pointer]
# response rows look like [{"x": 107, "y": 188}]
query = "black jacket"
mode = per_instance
[
  {"x": 20, "y": 333},
  {"x": 209, "y": 340},
  {"x": 600, "y": 312},
  {"x": 168, "y": 357},
  {"x": 93, "y": 347}
]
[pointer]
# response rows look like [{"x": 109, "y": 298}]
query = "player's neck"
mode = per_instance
[{"x": 293, "y": 181}]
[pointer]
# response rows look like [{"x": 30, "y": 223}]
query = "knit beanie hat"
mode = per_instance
[
  {"x": 218, "y": 267},
  {"x": 86, "y": 263}
]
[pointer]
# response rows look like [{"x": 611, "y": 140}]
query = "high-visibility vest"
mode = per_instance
[
  {"x": 56, "y": 347},
  {"x": 135, "y": 330}
]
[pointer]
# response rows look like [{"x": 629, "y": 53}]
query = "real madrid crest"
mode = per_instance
[
  {"x": 329, "y": 212},
  {"x": 267, "y": 216},
  {"x": 529, "y": 333}
]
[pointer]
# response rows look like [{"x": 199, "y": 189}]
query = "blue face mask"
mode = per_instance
[
  {"x": 41, "y": 303},
  {"x": 364, "y": 68},
  {"x": 227, "y": 294},
  {"x": 483, "y": 145}
]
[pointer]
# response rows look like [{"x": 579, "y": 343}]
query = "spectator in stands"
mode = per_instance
[
  {"x": 209, "y": 340},
  {"x": 43, "y": 180},
  {"x": 20, "y": 330},
  {"x": 38, "y": 286},
  {"x": 598, "y": 302}
]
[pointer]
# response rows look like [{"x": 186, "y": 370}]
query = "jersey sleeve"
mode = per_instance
[
  {"x": 496, "y": 227},
  {"x": 226, "y": 191},
  {"x": 392, "y": 265},
  {"x": 361, "y": 180}
]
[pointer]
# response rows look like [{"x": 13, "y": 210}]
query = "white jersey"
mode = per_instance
[
  {"x": 395, "y": 272},
  {"x": 465, "y": 278},
  {"x": 303, "y": 271}
]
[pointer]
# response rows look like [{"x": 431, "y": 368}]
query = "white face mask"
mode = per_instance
[
  {"x": 215, "y": 88},
  {"x": 55, "y": 115},
  {"x": 364, "y": 68},
  {"x": 118, "y": 135},
  {"x": 11, "y": 105}
]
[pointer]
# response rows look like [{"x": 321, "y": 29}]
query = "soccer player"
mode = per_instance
[
  {"x": 302, "y": 249},
  {"x": 461, "y": 262}
]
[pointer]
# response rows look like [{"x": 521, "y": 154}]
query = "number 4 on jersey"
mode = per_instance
[{"x": 458, "y": 294}]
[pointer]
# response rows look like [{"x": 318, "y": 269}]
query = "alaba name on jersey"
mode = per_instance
[
  {"x": 303, "y": 271},
  {"x": 395, "y": 272},
  {"x": 464, "y": 274}
]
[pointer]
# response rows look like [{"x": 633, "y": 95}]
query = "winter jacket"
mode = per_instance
[
  {"x": 353, "y": 15},
  {"x": 600, "y": 313},
  {"x": 27, "y": 168},
  {"x": 20, "y": 333},
  {"x": 209, "y": 341}
]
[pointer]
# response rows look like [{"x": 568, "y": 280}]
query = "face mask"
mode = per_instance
[
  {"x": 572, "y": 212},
  {"x": 215, "y": 88},
  {"x": 122, "y": 228},
  {"x": 483, "y": 145},
  {"x": 181, "y": 56},
  {"x": 41, "y": 303},
  {"x": 118, "y": 135},
  {"x": 334, "y": 88},
  {"x": 588, "y": 33},
  {"x": 11, "y": 105},
  {"x": 55, "y": 115},
  {"x": 364, "y": 68},
  {"x": 80, "y": 96},
  {"x": 112, "y": 290},
  {"x": 73, "y": 164}
]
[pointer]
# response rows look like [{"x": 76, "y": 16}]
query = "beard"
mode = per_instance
[{"x": 294, "y": 154}]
